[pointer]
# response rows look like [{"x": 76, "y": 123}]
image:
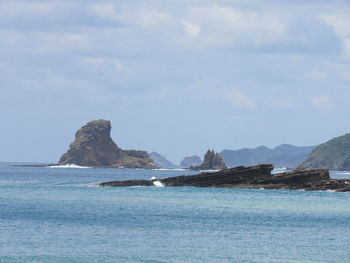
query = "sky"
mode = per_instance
[{"x": 173, "y": 76}]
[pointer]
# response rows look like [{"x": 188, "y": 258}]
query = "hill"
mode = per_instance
[
  {"x": 333, "y": 154},
  {"x": 188, "y": 161},
  {"x": 161, "y": 161}
]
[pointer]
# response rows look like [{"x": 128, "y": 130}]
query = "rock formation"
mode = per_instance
[
  {"x": 189, "y": 161},
  {"x": 212, "y": 161},
  {"x": 333, "y": 154},
  {"x": 258, "y": 176},
  {"x": 94, "y": 147},
  {"x": 161, "y": 161}
]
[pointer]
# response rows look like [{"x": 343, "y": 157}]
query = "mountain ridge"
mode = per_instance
[{"x": 283, "y": 155}]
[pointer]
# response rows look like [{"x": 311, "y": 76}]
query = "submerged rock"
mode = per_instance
[
  {"x": 93, "y": 146},
  {"x": 258, "y": 176},
  {"x": 212, "y": 161}
]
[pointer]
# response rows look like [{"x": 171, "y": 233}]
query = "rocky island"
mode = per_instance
[
  {"x": 94, "y": 147},
  {"x": 258, "y": 176},
  {"x": 188, "y": 161},
  {"x": 212, "y": 161}
]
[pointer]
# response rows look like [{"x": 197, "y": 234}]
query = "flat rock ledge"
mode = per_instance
[{"x": 258, "y": 177}]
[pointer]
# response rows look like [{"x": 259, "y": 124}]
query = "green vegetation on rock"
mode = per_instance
[{"x": 334, "y": 155}]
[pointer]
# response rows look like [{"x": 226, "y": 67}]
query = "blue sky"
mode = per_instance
[{"x": 176, "y": 76}]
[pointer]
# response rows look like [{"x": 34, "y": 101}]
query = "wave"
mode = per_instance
[
  {"x": 67, "y": 166},
  {"x": 158, "y": 184},
  {"x": 170, "y": 169},
  {"x": 280, "y": 168},
  {"x": 342, "y": 172}
]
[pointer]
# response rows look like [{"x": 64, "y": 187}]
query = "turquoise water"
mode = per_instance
[{"x": 57, "y": 215}]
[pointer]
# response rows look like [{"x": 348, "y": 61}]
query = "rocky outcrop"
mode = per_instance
[
  {"x": 206, "y": 179},
  {"x": 258, "y": 176},
  {"x": 333, "y": 154},
  {"x": 161, "y": 161},
  {"x": 94, "y": 147},
  {"x": 212, "y": 161},
  {"x": 189, "y": 161}
]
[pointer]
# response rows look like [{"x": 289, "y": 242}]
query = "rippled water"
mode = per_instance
[{"x": 57, "y": 215}]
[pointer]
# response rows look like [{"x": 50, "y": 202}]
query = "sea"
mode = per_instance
[{"x": 59, "y": 215}]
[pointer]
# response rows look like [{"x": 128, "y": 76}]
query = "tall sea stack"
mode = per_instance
[
  {"x": 93, "y": 146},
  {"x": 212, "y": 161}
]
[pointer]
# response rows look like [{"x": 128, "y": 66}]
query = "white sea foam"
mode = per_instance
[
  {"x": 170, "y": 169},
  {"x": 280, "y": 168},
  {"x": 67, "y": 166},
  {"x": 92, "y": 185},
  {"x": 158, "y": 184},
  {"x": 342, "y": 172}
]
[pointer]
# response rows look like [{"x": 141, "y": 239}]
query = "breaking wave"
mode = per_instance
[
  {"x": 158, "y": 184},
  {"x": 170, "y": 169},
  {"x": 67, "y": 166}
]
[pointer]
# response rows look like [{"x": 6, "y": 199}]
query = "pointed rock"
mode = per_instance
[{"x": 212, "y": 161}]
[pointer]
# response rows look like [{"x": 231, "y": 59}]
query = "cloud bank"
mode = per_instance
[{"x": 243, "y": 65}]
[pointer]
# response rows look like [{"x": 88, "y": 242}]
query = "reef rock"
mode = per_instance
[
  {"x": 257, "y": 177},
  {"x": 94, "y": 147},
  {"x": 212, "y": 161}
]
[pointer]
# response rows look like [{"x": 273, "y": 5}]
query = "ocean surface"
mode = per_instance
[{"x": 58, "y": 215}]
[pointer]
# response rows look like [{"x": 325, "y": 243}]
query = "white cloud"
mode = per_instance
[
  {"x": 317, "y": 74},
  {"x": 43, "y": 42},
  {"x": 227, "y": 26},
  {"x": 52, "y": 83},
  {"x": 341, "y": 26},
  {"x": 347, "y": 47},
  {"x": 240, "y": 100},
  {"x": 152, "y": 18},
  {"x": 103, "y": 10},
  {"x": 12, "y": 9},
  {"x": 104, "y": 64},
  {"x": 61, "y": 42},
  {"x": 160, "y": 94},
  {"x": 322, "y": 103},
  {"x": 191, "y": 29},
  {"x": 280, "y": 102}
]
